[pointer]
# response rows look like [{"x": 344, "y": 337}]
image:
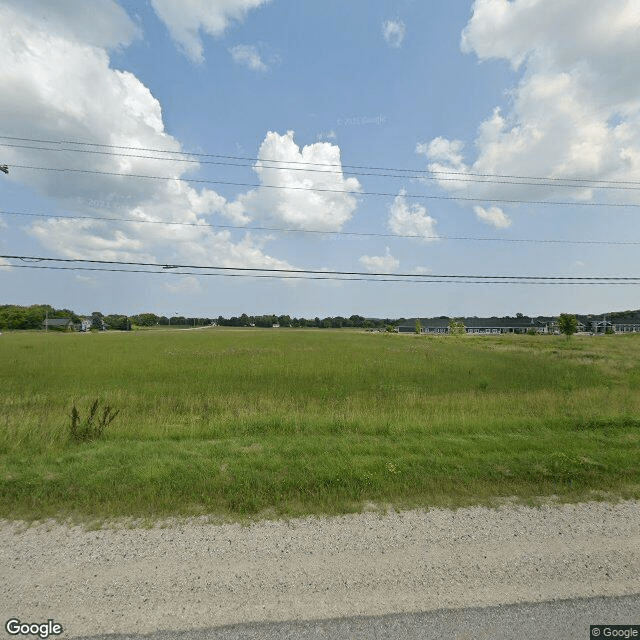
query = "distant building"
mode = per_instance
[
  {"x": 521, "y": 324},
  {"x": 625, "y": 322},
  {"x": 59, "y": 324}
]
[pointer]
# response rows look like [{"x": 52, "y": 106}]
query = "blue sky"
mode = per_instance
[{"x": 545, "y": 89}]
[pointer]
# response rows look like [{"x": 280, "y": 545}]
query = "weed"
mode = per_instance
[{"x": 94, "y": 425}]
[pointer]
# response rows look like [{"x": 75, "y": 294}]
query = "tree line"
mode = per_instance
[
  {"x": 33, "y": 317},
  {"x": 17, "y": 317}
]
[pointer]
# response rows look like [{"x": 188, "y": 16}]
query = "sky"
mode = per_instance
[{"x": 414, "y": 138}]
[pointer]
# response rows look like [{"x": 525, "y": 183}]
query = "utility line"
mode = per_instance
[
  {"x": 420, "y": 172},
  {"x": 319, "y": 231},
  {"x": 326, "y": 190},
  {"x": 305, "y": 277},
  {"x": 418, "y": 277},
  {"x": 415, "y": 175}
]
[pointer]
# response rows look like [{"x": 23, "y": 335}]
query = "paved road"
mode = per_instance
[{"x": 556, "y": 620}]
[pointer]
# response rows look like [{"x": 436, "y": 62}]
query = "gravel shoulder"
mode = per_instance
[{"x": 193, "y": 575}]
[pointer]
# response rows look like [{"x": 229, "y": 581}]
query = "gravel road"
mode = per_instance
[{"x": 193, "y": 575}]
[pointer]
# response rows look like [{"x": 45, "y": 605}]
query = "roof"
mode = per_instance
[
  {"x": 523, "y": 322},
  {"x": 58, "y": 322}
]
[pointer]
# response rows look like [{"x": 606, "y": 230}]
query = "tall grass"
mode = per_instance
[{"x": 241, "y": 422}]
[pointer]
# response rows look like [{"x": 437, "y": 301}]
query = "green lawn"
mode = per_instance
[{"x": 250, "y": 422}]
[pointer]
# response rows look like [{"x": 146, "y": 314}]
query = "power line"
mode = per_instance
[
  {"x": 326, "y": 190},
  {"x": 582, "y": 183},
  {"x": 327, "y": 273},
  {"x": 320, "y": 231},
  {"x": 303, "y": 277},
  {"x": 421, "y": 172}
]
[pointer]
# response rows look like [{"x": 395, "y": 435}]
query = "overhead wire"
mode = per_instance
[
  {"x": 583, "y": 183},
  {"x": 282, "y": 272},
  {"x": 327, "y": 190},
  {"x": 303, "y": 277},
  {"x": 52, "y": 216},
  {"x": 421, "y": 173}
]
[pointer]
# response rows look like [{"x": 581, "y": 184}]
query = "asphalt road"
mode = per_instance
[{"x": 555, "y": 620}]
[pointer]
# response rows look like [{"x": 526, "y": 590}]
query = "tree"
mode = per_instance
[
  {"x": 456, "y": 327},
  {"x": 418, "y": 326},
  {"x": 568, "y": 324},
  {"x": 145, "y": 319},
  {"x": 117, "y": 322},
  {"x": 97, "y": 321}
]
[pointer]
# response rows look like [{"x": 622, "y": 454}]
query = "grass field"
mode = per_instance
[{"x": 267, "y": 423}]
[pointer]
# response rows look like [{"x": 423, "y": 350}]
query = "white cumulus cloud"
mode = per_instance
[
  {"x": 411, "y": 219},
  {"x": 58, "y": 84},
  {"x": 393, "y": 32},
  {"x": 104, "y": 24},
  {"x": 380, "y": 264},
  {"x": 494, "y": 216},
  {"x": 301, "y": 188},
  {"x": 575, "y": 112},
  {"x": 186, "y": 18}
]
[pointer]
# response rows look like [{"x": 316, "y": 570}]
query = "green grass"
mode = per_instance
[{"x": 246, "y": 423}]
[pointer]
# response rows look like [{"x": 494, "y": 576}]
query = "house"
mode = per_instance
[
  {"x": 58, "y": 324},
  {"x": 617, "y": 323},
  {"x": 553, "y": 327},
  {"x": 624, "y": 322},
  {"x": 85, "y": 324},
  {"x": 520, "y": 324},
  {"x": 626, "y": 327}
]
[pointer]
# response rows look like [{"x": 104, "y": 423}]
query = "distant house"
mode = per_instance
[
  {"x": 553, "y": 327},
  {"x": 620, "y": 323},
  {"x": 616, "y": 323},
  {"x": 59, "y": 324},
  {"x": 626, "y": 327},
  {"x": 85, "y": 324},
  {"x": 521, "y": 324}
]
